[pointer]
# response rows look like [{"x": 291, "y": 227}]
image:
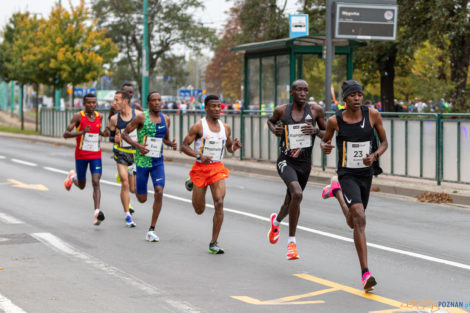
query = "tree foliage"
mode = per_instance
[{"x": 171, "y": 24}]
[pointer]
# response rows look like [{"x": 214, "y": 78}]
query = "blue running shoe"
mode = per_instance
[{"x": 129, "y": 221}]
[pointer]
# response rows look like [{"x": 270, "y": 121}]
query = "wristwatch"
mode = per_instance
[{"x": 198, "y": 156}]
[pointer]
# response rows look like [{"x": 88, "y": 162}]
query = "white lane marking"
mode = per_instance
[
  {"x": 51, "y": 169},
  {"x": 9, "y": 219},
  {"x": 24, "y": 162},
  {"x": 9, "y": 307},
  {"x": 323, "y": 233},
  {"x": 2, "y": 157},
  {"x": 58, "y": 244}
]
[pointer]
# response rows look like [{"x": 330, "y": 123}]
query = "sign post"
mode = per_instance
[{"x": 298, "y": 25}]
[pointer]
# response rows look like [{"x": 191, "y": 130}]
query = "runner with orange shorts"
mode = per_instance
[{"x": 212, "y": 138}]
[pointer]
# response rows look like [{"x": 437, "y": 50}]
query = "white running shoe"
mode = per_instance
[{"x": 152, "y": 237}]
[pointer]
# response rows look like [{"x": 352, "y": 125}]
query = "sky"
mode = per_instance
[{"x": 214, "y": 15}]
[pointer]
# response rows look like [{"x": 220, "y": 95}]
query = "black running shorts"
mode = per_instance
[
  {"x": 123, "y": 157},
  {"x": 356, "y": 189},
  {"x": 293, "y": 171}
]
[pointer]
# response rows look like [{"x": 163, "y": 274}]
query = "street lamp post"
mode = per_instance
[
  {"x": 145, "y": 57},
  {"x": 58, "y": 91}
]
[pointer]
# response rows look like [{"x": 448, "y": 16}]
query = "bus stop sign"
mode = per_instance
[{"x": 366, "y": 21}]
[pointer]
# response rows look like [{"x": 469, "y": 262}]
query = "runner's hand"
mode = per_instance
[
  {"x": 369, "y": 159},
  {"x": 173, "y": 144},
  {"x": 236, "y": 144},
  {"x": 86, "y": 129},
  {"x": 326, "y": 147},
  {"x": 308, "y": 129},
  {"x": 278, "y": 130},
  {"x": 143, "y": 149},
  {"x": 117, "y": 138},
  {"x": 206, "y": 159}
]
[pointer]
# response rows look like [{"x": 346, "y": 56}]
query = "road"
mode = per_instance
[{"x": 53, "y": 259}]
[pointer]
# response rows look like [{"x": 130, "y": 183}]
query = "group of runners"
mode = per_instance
[{"x": 139, "y": 136}]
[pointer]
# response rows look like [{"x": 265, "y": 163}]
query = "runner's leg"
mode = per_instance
[
  {"x": 358, "y": 217},
  {"x": 142, "y": 176},
  {"x": 95, "y": 179},
  {"x": 218, "y": 194},
  {"x": 199, "y": 199},
  {"x": 125, "y": 197},
  {"x": 294, "y": 206},
  {"x": 157, "y": 205},
  {"x": 338, "y": 193}
]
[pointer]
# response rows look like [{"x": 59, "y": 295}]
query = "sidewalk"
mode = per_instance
[{"x": 394, "y": 185}]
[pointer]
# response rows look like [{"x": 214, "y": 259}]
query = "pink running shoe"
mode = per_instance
[
  {"x": 68, "y": 181},
  {"x": 368, "y": 282},
  {"x": 273, "y": 234},
  {"x": 327, "y": 192}
]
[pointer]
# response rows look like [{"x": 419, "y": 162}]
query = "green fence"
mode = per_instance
[{"x": 429, "y": 146}]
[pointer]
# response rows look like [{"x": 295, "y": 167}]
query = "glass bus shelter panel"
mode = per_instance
[
  {"x": 317, "y": 154},
  {"x": 399, "y": 150},
  {"x": 429, "y": 149},
  {"x": 464, "y": 152},
  {"x": 332, "y": 158},
  {"x": 283, "y": 83},
  {"x": 449, "y": 142},
  {"x": 267, "y": 83},
  {"x": 414, "y": 147},
  {"x": 233, "y": 120},
  {"x": 253, "y": 83}
]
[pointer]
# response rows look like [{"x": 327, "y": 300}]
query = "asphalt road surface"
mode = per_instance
[{"x": 53, "y": 259}]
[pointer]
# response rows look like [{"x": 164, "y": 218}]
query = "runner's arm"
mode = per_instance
[
  {"x": 273, "y": 122},
  {"x": 234, "y": 145},
  {"x": 325, "y": 144},
  {"x": 69, "y": 133},
  {"x": 166, "y": 138},
  {"x": 112, "y": 128},
  {"x": 378, "y": 125},
  {"x": 136, "y": 123},
  {"x": 194, "y": 132},
  {"x": 320, "y": 120}
]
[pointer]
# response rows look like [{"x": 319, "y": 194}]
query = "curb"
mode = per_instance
[{"x": 268, "y": 169}]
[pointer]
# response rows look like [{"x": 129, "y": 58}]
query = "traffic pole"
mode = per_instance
[
  {"x": 58, "y": 92},
  {"x": 329, "y": 55},
  {"x": 145, "y": 57}
]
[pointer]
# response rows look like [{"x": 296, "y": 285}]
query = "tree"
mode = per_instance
[
  {"x": 71, "y": 50},
  {"x": 171, "y": 24}
]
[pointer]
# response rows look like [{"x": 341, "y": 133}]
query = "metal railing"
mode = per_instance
[{"x": 421, "y": 145}]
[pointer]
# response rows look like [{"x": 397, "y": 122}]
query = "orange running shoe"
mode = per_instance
[
  {"x": 68, "y": 181},
  {"x": 292, "y": 251},
  {"x": 273, "y": 234}
]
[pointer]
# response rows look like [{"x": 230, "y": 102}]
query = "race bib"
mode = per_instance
[
  {"x": 214, "y": 148},
  {"x": 154, "y": 145},
  {"x": 133, "y": 136},
  {"x": 355, "y": 152},
  {"x": 91, "y": 142},
  {"x": 295, "y": 138}
]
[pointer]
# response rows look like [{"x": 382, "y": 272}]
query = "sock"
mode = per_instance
[
  {"x": 151, "y": 228},
  {"x": 364, "y": 270},
  {"x": 275, "y": 222},
  {"x": 291, "y": 239},
  {"x": 97, "y": 211},
  {"x": 73, "y": 179},
  {"x": 128, "y": 214}
]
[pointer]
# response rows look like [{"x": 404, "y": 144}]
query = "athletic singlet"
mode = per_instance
[
  {"x": 151, "y": 134},
  {"x": 294, "y": 144},
  {"x": 88, "y": 145},
  {"x": 354, "y": 141},
  {"x": 121, "y": 125},
  {"x": 211, "y": 144}
]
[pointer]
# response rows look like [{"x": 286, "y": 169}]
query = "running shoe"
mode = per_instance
[
  {"x": 68, "y": 182},
  {"x": 368, "y": 282},
  {"x": 152, "y": 237},
  {"x": 129, "y": 221},
  {"x": 328, "y": 190},
  {"x": 131, "y": 170},
  {"x": 273, "y": 234},
  {"x": 292, "y": 251},
  {"x": 131, "y": 209},
  {"x": 98, "y": 218},
  {"x": 118, "y": 178},
  {"x": 188, "y": 184},
  {"x": 215, "y": 249}
]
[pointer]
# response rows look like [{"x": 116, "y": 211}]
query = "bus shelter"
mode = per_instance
[{"x": 271, "y": 66}]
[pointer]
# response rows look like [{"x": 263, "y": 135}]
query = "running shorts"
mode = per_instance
[
  {"x": 81, "y": 166},
  {"x": 203, "y": 175},
  {"x": 157, "y": 173},
  {"x": 123, "y": 157},
  {"x": 291, "y": 171},
  {"x": 356, "y": 189}
]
